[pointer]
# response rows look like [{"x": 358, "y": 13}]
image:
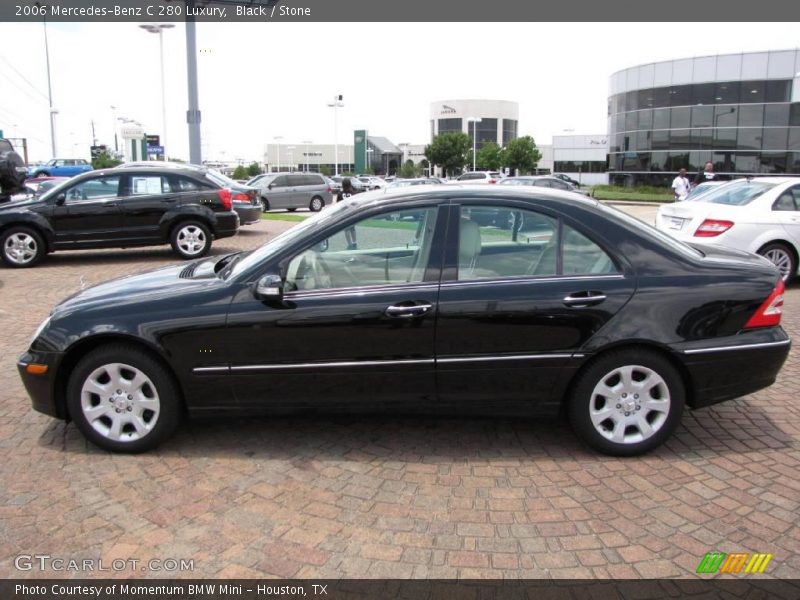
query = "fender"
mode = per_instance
[
  {"x": 32, "y": 219},
  {"x": 187, "y": 211}
]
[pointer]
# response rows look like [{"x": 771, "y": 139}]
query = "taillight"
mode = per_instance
[
  {"x": 712, "y": 228},
  {"x": 225, "y": 196},
  {"x": 330, "y": 191},
  {"x": 241, "y": 197},
  {"x": 769, "y": 313},
  {"x": 492, "y": 181}
]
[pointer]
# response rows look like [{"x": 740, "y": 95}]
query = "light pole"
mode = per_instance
[
  {"x": 53, "y": 111},
  {"x": 474, "y": 121},
  {"x": 368, "y": 158},
  {"x": 337, "y": 103},
  {"x": 307, "y": 142},
  {"x": 114, "y": 126},
  {"x": 159, "y": 29},
  {"x": 291, "y": 158},
  {"x": 277, "y": 139}
]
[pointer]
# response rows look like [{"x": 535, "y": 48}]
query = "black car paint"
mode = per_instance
[
  {"x": 119, "y": 221},
  {"x": 337, "y": 349}
]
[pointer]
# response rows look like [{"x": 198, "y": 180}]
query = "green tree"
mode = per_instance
[
  {"x": 104, "y": 160},
  {"x": 409, "y": 170},
  {"x": 451, "y": 150},
  {"x": 253, "y": 169},
  {"x": 522, "y": 154},
  {"x": 240, "y": 172},
  {"x": 325, "y": 170},
  {"x": 490, "y": 157}
]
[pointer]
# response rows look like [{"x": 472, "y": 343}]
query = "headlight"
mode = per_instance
[{"x": 39, "y": 330}]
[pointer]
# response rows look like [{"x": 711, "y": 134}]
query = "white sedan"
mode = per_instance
[{"x": 757, "y": 215}]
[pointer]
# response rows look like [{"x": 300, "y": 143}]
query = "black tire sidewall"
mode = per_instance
[
  {"x": 311, "y": 204},
  {"x": 41, "y": 250},
  {"x": 580, "y": 397},
  {"x": 173, "y": 239},
  {"x": 166, "y": 388}
]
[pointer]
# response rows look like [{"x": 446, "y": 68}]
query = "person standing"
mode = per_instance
[
  {"x": 346, "y": 192},
  {"x": 681, "y": 185},
  {"x": 707, "y": 174}
]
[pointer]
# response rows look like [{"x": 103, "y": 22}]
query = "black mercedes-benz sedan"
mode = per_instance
[
  {"x": 121, "y": 208},
  {"x": 403, "y": 301}
]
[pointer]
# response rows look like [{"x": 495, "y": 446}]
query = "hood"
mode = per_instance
[{"x": 165, "y": 282}]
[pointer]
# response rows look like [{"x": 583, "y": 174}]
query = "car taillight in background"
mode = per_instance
[
  {"x": 241, "y": 197},
  {"x": 225, "y": 196},
  {"x": 712, "y": 228},
  {"x": 492, "y": 181},
  {"x": 330, "y": 191},
  {"x": 769, "y": 313}
]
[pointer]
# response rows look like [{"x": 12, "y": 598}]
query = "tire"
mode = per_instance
[
  {"x": 22, "y": 247},
  {"x": 605, "y": 409},
  {"x": 41, "y": 174},
  {"x": 122, "y": 399},
  {"x": 782, "y": 257},
  {"x": 316, "y": 204},
  {"x": 190, "y": 239},
  {"x": 264, "y": 204}
]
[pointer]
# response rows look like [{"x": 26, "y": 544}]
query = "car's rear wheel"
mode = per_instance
[
  {"x": 191, "y": 239},
  {"x": 782, "y": 257},
  {"x": 627, "y": 402},
  {"x": 122, "y": 399},
  {"x": 22, "y": 247},
  {"x": 316, "y": 204}
]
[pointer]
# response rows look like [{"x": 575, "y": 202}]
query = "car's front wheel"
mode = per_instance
[
  {"x": 782, "y": 257},
  {"x": 264, "y": 204},
  {"x": 191, "y": 239},
  {"x": 627, "y": 402},
  {"x": 316, "y": 204},
  {"x": 122, "y": 399},
  {"x": 22, "y": 247}
]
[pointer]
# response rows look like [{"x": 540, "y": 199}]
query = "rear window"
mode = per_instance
[{"x": 737, "y": 193}]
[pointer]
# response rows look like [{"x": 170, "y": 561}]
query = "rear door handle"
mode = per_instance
[
  {"x": 579, "y": 299},
  {"x": 407, "y": 312}
]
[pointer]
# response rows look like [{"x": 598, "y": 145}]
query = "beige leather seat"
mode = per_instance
[{"x": 469, "y": 247}]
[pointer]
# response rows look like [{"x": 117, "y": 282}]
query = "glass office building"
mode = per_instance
[
  {"x": 739, "y": 111},
  {"x": 483, "y": 121}
]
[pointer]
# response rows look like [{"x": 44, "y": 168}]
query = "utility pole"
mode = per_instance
[{"x": 94, "y": 137}]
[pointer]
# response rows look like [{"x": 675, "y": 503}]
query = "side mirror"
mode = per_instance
[
  {"x": 270, "y": 186},
  {"x": 269, "y": 288},
  {"x": 60, "y": 199}
]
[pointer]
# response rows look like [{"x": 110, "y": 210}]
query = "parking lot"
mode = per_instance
[{"x": 387, "y": 496}]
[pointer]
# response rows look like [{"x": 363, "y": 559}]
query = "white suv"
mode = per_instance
[{"x": 472, "y": 177}]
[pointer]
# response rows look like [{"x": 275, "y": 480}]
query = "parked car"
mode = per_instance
[
  {"x": 120, "y": 208},
  {"x": 244, "y": 198},
  {"x": 294, "y": 190},
  {"x": 40, "y": 185},
  {"x": 546, "y": 181},
  {"x": 354, "y": 181},
  {"x": 397, "y": 183},
  {"x": 473, "y": 177},
  {"x": 567, "y": 179},
  {"x": 335, "y": 187},
  {"x": 372, "y": 183},
  {"x": 61, "y": 167},
  {"x": 756, "y": 215},
  {"x": 349, "y": 311}
]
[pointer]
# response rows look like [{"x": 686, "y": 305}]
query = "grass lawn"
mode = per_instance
[
  {"x": 287, "y": 216},
  {"x": 637, "y": 194}
]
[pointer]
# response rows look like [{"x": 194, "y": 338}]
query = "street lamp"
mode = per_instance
[
  {"x": 277, "y": 139},
  {"x": 307, "y": 142},
  {"x": 368, "y": 158},
  {"x": 291, "y": 158},
  {"x": 474, "y": 121},
  {"x": 337, "y": 103},
  {"x": 159, "y": 29},
  {"x": 114, "y": 126}
]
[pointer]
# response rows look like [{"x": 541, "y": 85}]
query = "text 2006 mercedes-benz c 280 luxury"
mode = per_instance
[{"x": 441, "y": 299}]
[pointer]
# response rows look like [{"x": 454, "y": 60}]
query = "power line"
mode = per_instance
[
  {"x": 25, "y": 79},
  {"x": 21, "y": 89}
]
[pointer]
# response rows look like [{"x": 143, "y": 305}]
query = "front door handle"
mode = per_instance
[
  {"x": 580, "y": 299},
  {"x": 407, "y": 312}
]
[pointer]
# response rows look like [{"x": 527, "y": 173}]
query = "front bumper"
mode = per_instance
[
  {"x": 42, "y": 388},
  {"x": 738, "y": 365}
]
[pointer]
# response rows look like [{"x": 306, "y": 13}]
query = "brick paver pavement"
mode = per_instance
[{"x": 388, "y": 496}]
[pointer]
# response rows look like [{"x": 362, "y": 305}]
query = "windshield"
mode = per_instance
[
  {"x": 262, "y": 253},
  {"x": 516, "y": 182},
  {"x": 737, "y": 193}
]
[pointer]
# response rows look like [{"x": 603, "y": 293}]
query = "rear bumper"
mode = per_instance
[
  {"x": 248, "y": 213},
  {"x": 738, "y": 365},
  {"x": 227, "y": 224}
]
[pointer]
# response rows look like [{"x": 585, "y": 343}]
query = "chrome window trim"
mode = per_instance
[
  {"x": 739, "y": 347},
  {"x": 510, "y": 357},
  {"x": 366, "y": 290},
  {"x": 526, "y": 279}
]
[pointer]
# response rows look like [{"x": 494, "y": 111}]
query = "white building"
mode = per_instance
[
  {"x": 488, "y": 120},
  {"x": 297, "y": 156},
  {"x": 582, "y": 157}
]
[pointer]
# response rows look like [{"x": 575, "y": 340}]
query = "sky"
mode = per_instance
[{"x": 262, "y": 80}]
